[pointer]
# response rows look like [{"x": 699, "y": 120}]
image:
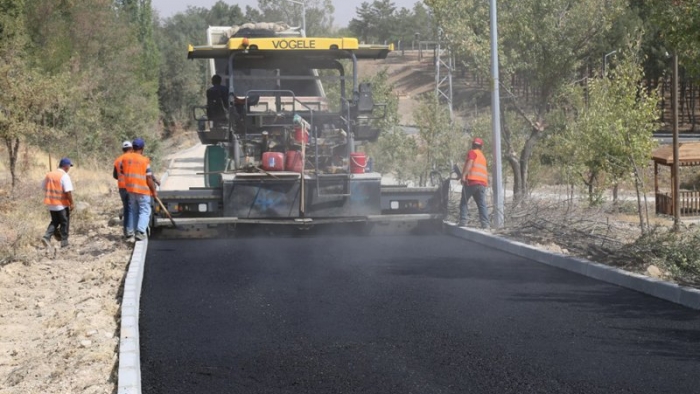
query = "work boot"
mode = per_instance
[
  {"x": 64, "y": 243},
  {"x": 140, "y": 236},
  {"x": 46, "y": 241}
]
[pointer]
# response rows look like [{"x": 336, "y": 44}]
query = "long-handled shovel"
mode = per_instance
[{"x": 166, "y": 211}]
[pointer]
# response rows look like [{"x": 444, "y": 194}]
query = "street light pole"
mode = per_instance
[
  {"x": 303, "y": 14},
  {"x": 676, "y": 154},
  {"x": 498, "y": 197},
  {"x": 605, "y": 60}
]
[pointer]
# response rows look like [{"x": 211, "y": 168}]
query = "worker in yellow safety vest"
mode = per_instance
[
  {"x": 475, "y": 180},
  {"x": 121, "y": 184},
  {"x": 58, "y": 197},
  {"x": 140, "y": 186}
]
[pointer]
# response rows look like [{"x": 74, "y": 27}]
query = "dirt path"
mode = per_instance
[{"x": 59, "y": 316}]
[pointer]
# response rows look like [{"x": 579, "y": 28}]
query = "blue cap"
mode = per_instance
[
  {"x": 138, "y": 143},
  {"x": 65, "y": 162}
]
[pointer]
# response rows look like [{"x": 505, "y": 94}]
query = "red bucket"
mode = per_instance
[
  {"x": 293, "y": 161},
  {"x": 273, "y": 161},
  {"x": 300, "y": 134},
  {"x": 358, "y": 162}
]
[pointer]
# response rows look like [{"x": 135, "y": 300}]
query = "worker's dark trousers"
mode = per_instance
[
  {"x": 478, "y": 192},
  {"x": 126, "y": 212},
  {"x": 59, "y": 220}
]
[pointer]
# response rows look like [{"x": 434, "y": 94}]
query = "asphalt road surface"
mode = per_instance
[{"x": 404, "y": 314}]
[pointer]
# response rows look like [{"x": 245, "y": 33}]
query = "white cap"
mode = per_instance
[{"x": 126, "y": 144}]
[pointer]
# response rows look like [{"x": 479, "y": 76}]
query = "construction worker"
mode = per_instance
[
  {"x": 58, "y": 197},
  {"x": 138, "y": 179},
  {"x": 474, "y": 183},
  {"x": 116, "y": 173},
  {"x": 217, "y": 99}
]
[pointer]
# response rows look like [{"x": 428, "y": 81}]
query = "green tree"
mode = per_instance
[
  {"x": 441, "y": 141},
  {"x": 375, "y": 22},
  {"x": 363, "y": 25},
  {"x": 380, "y": 21},
  {"x": 182, "y": 82},
  {"x": 222, "y": 14},
  {"x": 545, "y": 43},
  {"x": 678, "y": 22},
  {"x": 11, "y": 19},
  {"x": 29, "y": 103},
  {"x": 140, "y": 14},
  {"x": 12, "y": 40},
  {"x": 610, "y": 139},
  {"x": 109, "y": 96},
  {"x": 394, "y": 151},
  {"x": 420, "y": 21}
]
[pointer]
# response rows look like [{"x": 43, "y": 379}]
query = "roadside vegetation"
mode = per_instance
[{"x": 581, "y": 83}]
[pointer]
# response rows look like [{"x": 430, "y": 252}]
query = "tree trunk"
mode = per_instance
[
  {"x": 517, "y": 180},
  {"x": 692, "y": 106},
  {"x": 590, "y": 183},
  {"x": 525, "y": 156},
  {"x": 13, "y": 153},
  {"x": 639, "y": 204},
  {"x": 638, "y": 185}
]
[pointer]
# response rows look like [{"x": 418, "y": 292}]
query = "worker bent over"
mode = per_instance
[
  {"x": 474, "y": 183},
  {"x": 58, "y": 197},
  {"x": 138, "y": 180}
]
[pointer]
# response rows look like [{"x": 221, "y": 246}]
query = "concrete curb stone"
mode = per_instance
[
  {"x": 686, "y": 296},
  {"x": 129, "y": 374}
]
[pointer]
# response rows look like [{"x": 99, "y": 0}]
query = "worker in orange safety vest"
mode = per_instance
[
  {"x": 121, "y": 184},
  {"x": 140, "y": 185},
  {"x": 58, "y": 197},
  {"x": 475, "y": 180}
]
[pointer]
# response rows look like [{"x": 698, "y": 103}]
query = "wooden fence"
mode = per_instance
[{"x": 689, "y": 201}]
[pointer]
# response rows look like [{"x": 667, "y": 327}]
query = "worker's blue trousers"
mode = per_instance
[{"x": 140, "y": 205}]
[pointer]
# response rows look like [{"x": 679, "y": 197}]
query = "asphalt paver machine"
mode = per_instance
[{"x": 285, "y": 146}]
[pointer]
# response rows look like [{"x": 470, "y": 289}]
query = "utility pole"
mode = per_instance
[
  {"x": 496, "y": 122},
  {"x": 442, "y": 91}
]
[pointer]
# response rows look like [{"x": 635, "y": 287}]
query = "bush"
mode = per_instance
[{"x": 677, "y": 252}]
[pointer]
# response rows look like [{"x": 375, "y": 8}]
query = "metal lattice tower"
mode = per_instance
[{"x": 444, "y": 65}]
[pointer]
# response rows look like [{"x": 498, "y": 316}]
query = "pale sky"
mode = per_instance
[{"x": 344, "y": 9}]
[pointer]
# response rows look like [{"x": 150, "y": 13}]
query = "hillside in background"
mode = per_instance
[{"x": 412, "y": 75}]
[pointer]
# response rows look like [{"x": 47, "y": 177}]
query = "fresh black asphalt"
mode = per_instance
[{"x": 398, "y": 314}]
